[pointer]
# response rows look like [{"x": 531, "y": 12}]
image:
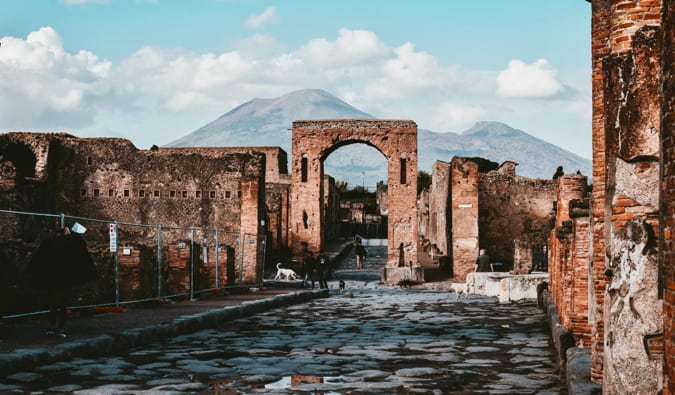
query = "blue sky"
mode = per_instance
[{"x": 154, "y": 71}]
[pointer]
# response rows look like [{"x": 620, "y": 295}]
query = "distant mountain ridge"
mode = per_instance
[{"x": 268, "y": 122}]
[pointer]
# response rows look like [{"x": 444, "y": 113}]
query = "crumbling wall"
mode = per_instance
[
  {"x": 626, "y": 311},
  {"x": 632, "y": 308},
  {"x": 513, "y": 209},
  {"x": 569, "y": 257},
  {"x": 464, "y": 212},
  {"x": 667, "y": 200},
  {"x": 108, "y": 178}
]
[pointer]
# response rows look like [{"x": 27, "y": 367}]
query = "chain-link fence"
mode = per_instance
[{"x": 135, "y": 262}]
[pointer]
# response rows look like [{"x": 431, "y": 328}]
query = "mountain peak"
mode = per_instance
[{"x": 491, "y": 128}]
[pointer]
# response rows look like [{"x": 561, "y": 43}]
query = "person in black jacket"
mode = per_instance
[
  {"x": 61, "y": 263},
  {"x": 323, "y": 265}
]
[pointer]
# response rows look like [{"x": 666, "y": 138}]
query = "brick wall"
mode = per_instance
[
  {"x": 201, "y": 188},
  {"x": 464, "y": 213},
  {"x": 600, "y": 25},
  {"x": 313, "y": 141},
  {"x": 626, "y": 311},
  {"x": 667, "y": 236}
]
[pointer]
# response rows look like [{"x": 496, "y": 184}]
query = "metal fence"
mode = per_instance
[{"x": 135, "y": 262}]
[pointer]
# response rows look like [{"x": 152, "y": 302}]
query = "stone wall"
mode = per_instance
[
  {"x": 465, "y": 210},
  {"x": 108, "y": 178},
  {"x": 513, "y": 209},
  {"x": 630, "y": 283},
  {"x": 667, "y": 228}
]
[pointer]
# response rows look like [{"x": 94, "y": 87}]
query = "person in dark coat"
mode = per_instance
[
  {"x": 309, "y": 263},
  {"x": 483, "y": 262},
  {"x": 361, "y": 255},
  {"x": 61, "y": 263},
  {"x": 323, "y": 264}
]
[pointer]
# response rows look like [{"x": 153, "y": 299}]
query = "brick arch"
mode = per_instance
[{"x": 313, "y": 141}]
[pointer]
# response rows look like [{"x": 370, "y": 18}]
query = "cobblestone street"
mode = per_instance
[{"x": 370, "y": 340}]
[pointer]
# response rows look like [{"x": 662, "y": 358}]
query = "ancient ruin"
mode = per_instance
[
  {"x": 612, "y": 278},
  {"x": 313, "y": 141},
  {"x": 607, "y": 239}
]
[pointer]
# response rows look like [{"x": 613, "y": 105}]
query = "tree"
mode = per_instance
[{"x": 423, "y": 180}]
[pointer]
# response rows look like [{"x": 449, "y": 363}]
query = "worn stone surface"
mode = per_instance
[{"x": 435, "y": 343}]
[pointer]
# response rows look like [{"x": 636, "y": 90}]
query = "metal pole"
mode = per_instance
[
  {"x": 159, "y": 261},
  {"x": 192, "y": 266},
  {"x": 117, "y": 270},
  {"x": 216, "y": 260},
  {"x": 241, "y": 257},
  {"x": 63, "y": 220}
]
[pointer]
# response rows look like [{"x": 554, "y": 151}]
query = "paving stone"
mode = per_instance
[{"x": 381, "y": 340}]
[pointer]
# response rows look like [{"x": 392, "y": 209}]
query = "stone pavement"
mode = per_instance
[
  {"x": 23, "y": 343},
  {"x": 371, "y": 338}
]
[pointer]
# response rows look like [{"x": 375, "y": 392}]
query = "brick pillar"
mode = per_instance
[
  {"x": 252, "y": 229},
  {"x": 571, "y": 188},
  {"x": 667, "y": 236},
  {"x": 464, "y": 214},
  {"x": 600, "y": 24},
  {"x": 632, "y": 100}
]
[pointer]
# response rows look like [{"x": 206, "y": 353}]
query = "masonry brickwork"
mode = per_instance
[
  {"x": 630, "y": 285},
  {"x": 204, "y": 189},
  {"x": 466, "y": 209},
  {"x": 313, "y": 141},
  {"x": 667, "y": 200}
]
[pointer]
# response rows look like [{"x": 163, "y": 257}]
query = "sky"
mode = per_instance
[{"x": 153, "y": 71}]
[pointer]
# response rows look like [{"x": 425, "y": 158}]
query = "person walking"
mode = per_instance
[
  {"x": 309, "y": 262},
  {"x": 361, "y": 255}
]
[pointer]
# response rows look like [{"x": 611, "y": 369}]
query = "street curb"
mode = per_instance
[{"x": 28, "y": 359}]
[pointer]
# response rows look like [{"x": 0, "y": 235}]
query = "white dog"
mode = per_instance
[
  {"x": 465, "y": 288},
  {"x": 288, "y": 274}
]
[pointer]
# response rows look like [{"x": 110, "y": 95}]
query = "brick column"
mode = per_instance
[
  {"x": 667, "y": 237},
  {"x": 600, "y": 24},
  {"x": 632, "y": 100}
]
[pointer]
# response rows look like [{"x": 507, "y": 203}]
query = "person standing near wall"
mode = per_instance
[
  {"x": 61, "y": 263},
  {"x": 324, "y": 268},
  {"x": 483, "y": 263},
  {"x": 309, "y": 262}
]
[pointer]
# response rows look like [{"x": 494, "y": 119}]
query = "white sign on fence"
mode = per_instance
[{"x": 113, "y": 238}]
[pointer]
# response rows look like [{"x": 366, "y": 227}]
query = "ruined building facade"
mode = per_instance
[
  {"x": 613, "y": 276},
  {"x": 202, "y": 189},
  {"x": 468, "y": 207}
]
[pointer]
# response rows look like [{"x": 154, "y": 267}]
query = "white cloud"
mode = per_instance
[
  {"x": 522, "y": 80},
  {"x": 45, "y": 87},
  {"x": 269, "y": 16}
]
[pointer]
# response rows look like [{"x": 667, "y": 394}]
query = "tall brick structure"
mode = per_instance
[
  {"x": 631, "y": 287},
  {"x": 313, "y": 141},
  {"x": 471, "y": 206},
  {"x": 667, "y": 200}
]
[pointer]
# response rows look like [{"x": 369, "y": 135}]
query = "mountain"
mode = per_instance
[{"x": 268, "y": 122}]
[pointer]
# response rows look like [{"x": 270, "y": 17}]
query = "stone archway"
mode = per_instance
[{"x": 313, "y": 141}]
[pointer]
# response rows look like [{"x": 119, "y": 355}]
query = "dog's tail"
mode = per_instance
[{"x": 278, "y": 264}]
